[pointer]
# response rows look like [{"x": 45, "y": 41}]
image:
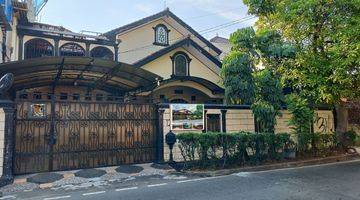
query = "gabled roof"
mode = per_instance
[
  {"x": 112, "y": 34},
  {"x": 218, "y": 39},
  {"x": 180, "y": 43}
]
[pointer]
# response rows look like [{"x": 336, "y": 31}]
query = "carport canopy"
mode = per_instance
[{"x": 110, "y": 76}]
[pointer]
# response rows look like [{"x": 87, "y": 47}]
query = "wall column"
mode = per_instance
[
  {"x": 87, "y": 50},
  {"x": 21, "y": 47},
  {"x": 56, "y": 47},
  {"x": 116, "y": 47},
  {"x": 205, "y": 121},
  {"x": 223, "y": 120},
  {"x": 160, "y": 136},
  {"x": 7, "y": 113}
]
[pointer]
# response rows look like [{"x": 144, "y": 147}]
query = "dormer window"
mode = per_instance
[
  {"x": 161, "y": 35},
  {"x": 181, "y": 63}
]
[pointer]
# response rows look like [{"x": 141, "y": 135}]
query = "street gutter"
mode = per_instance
[{"x": 267, "y": 167}]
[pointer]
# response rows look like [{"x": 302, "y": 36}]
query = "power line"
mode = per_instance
[
  {"x": 227, "y": 24},
  {"x": 214, "y": 13}
]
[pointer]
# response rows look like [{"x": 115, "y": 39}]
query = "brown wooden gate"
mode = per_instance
[{"x": 54, "y": 135}]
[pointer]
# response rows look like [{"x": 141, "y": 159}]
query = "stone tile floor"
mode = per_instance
[{"x": 77, "y": 179}]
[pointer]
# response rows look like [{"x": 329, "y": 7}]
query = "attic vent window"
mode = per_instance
[
  {"x": 181, "y": 62},
  {"x": 161, "y": 35}
]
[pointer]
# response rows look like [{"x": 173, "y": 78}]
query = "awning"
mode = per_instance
[
  {"x": 110, "y": 76},
  {"x": 215, "y": 89}
]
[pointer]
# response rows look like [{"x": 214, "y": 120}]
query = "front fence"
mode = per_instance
[{"x": 56, "y": 135}]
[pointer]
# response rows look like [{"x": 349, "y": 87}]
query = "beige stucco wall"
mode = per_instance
[
  {"x": 163, "y": 67},
  {"x": 325, "y": 122},
  {"x": 239, "y": 120},
  {"x": 2, "y": 136},
  {"x": 138, "y": 43}
]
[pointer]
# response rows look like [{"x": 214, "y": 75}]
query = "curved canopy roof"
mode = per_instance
[
  {"x": 110, "y": 76},
  {"x": 215, "y": 89}
]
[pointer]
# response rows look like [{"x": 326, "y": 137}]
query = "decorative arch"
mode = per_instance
[
  {"x": 161, "y": 35},
  {"x": 37, "y": 47},
  {"x": 181, "y": 63},
  {"x": 102, "y": 52},
  {"x": 178, "y": 101},
  {"x": 72, "y": 49}
]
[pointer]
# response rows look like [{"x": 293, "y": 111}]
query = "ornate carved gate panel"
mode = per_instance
[{"x": 63, "y": 135}]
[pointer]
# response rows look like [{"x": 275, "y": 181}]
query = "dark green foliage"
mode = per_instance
[
  {"x": 229, "y": 148},
  {"x": 347, "y": 139},
  {"x": 269, "y": 88},
  {"x": 265, "y": 116},
  {"x": 188, "y": 144},
  {"x": 324, "y": 35},
  {"x": 302, "y": 116},
  {"x": 222, "y": 149},
  {"x": 237, "y": 79}
]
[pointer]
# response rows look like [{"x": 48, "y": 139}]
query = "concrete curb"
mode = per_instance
[{"x": 284, "y": 165}]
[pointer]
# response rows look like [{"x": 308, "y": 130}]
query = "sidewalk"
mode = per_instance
[{"x": 84, "y": 178}]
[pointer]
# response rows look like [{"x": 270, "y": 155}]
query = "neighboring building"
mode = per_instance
[{"x": 223, "y": 44}]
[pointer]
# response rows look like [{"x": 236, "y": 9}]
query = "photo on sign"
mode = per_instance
[
  {"x": 187, "y": 116},
  {"x": 37, "y": 111}
]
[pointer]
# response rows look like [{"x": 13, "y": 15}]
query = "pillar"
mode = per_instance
[
  {"x": 7, "y": 113},
  {"x": 223, "y": 120},
  {"x": 160, "y": 136}
]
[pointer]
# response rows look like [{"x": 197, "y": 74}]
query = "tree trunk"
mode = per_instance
[{"x": 341, "y": 122}]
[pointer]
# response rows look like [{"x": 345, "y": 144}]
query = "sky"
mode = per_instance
[{"x": 104, "y": 15}]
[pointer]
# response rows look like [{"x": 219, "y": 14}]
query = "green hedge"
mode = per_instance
[{"x": 238, "y": 148}]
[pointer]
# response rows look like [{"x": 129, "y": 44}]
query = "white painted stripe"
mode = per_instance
[
  {"x": 124, "y": 189},
  {"x": 59, "y": 197},
  {"x": 199, "y": 179},
  {"x": 8, "y": 197},
  {"x": 157, "y": 185},
  {"x": 307, "y": 166},
  {"x": 92, "y": 193}
]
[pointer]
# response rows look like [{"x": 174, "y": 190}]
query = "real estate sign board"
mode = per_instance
[{"x": 187, "y": 117}]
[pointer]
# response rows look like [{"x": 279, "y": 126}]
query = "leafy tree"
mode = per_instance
[
  {"x": 264, "y": 48},
  {"x": 269, "y": 88},
  {"x": 325, "y": 36},
  {"x": 269, "y": 98},
  {"x": 237, "y": 78},
  {"x": 302, "y": 116},
  {"x": 265, "y": 116}
]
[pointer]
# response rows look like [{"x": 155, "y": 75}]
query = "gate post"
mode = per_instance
[
  {"x": 7, "y": 114},
  {"x": 7, "y": 134},
  {"x": 160, "y": 135}
]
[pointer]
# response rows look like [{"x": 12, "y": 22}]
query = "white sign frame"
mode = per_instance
[{"x": 172, "y": 106}]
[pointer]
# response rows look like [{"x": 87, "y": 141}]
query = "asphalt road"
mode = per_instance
[{"x": 332, "y": 181}]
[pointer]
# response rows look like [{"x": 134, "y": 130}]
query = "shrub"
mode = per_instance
[
  {"x": 302, "y": 115},
  {"x": 188, "y": 145},
  {"x": 235, "y": 147},
  {"x": 265, "y": 116},
  {"x": 238, "y": 148},
  {"x": 347, "y": 139}
]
